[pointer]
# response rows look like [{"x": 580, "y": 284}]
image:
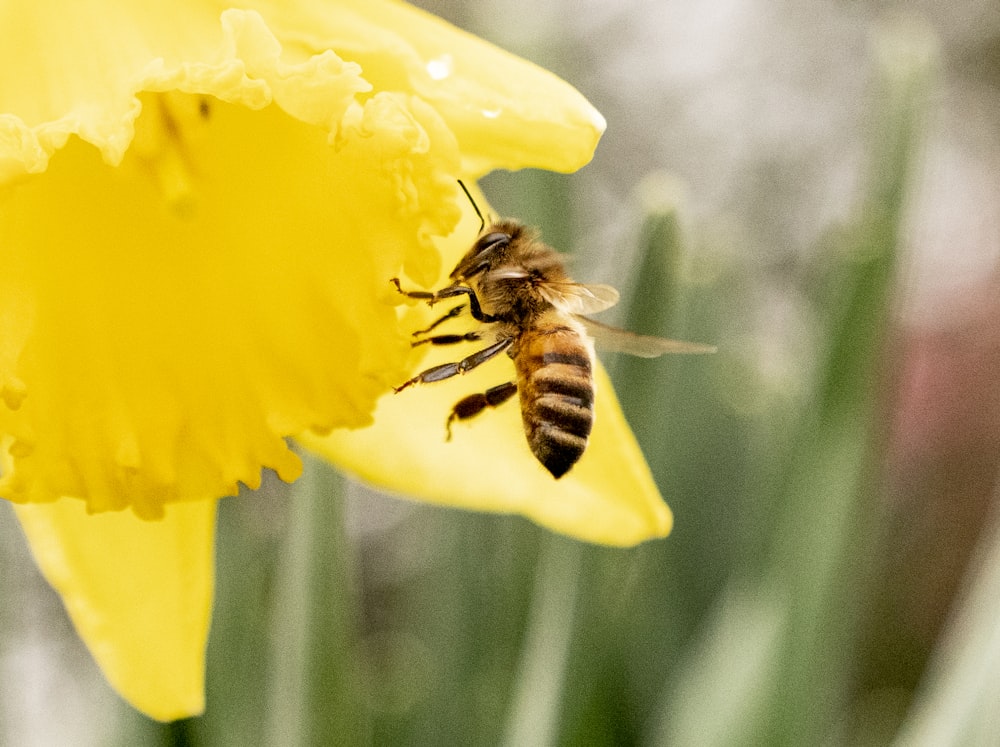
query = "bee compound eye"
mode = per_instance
[
  {"x": 491, "y": 241},
  {"x": 481, "y": 255}
]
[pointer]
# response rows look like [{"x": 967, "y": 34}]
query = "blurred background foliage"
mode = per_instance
[{"x": 812, "y": 186}]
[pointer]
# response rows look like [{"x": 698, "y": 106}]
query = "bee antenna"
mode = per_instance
[{"x": 482, "y": 220}]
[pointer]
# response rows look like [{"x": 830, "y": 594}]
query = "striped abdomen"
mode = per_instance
[{"x": 556, "y": 386}]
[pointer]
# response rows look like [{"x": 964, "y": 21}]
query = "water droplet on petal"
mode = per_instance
[{"x": 440, "y": 67}]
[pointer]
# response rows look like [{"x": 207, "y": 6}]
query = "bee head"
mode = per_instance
[{"x": 491, "y": 247}]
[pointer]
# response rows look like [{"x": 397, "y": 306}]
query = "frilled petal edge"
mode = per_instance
[
  {"x": 235, "y": 58},
  {"x": 505, "y": 111}
]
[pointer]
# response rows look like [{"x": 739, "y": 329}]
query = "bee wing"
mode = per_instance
[
  {"x": 618, "y": 340},
  {"x": 509, "y": 273},
  {"x": 577, "y": 298}
]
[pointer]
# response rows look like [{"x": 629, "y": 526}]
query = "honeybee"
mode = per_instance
[{"x": 519, "y": 287}]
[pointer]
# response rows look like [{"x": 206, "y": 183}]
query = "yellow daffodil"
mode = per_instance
[{"x": 200, "y": 210}]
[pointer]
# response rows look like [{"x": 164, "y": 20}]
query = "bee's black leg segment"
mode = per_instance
[
  {"x": 474, "y": 404},
  {"x": 481, "y": 356},
  {"x": 422, "y": 295},
  {"x": 447, "y": 370},
  {"x": 436, "y": 373},
  {"x": 448, "y": 339},
  {"x": 474, "y": 308},
  {"x": 450, "y": 315},
  {"x": 451, "y": 291}
]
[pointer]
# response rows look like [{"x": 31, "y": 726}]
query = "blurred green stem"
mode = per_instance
[
  {"x": 538, "y": 688},
  {"x": 797, "y": 609},
  {"x": 316, "y": 696},
  {"x": 829, "y": 530}
]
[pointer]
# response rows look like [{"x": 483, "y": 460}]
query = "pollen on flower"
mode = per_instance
[{"x": 12, "y": 392}]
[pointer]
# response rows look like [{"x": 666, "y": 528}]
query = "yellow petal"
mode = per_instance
[
  {"x": 138, "y": 592},
  {"x": 609, "y": 497}
]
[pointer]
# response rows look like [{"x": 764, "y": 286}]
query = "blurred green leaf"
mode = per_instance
[
  {"x": 797, "y": 614},
  {"x": 316, "y": 691}
]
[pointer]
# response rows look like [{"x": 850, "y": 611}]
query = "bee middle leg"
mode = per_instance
[
  {"x": 449, "y": 315},
  {"x": 447, "y": 370},
  {"x": 448, "y": 339},
  {"x": 474, "y": 404}
]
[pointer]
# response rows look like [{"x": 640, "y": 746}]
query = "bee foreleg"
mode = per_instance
[
  {"x": 474, "y": 308},
  {"x": 422, "y": 295},
  {"x": 447, "y": 370},
  {"x": 474, "y": 404},
  {"x": 450, "y": 292}
]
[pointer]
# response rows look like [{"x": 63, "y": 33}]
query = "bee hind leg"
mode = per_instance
[{"x": 474, "y": 404}]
